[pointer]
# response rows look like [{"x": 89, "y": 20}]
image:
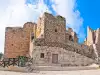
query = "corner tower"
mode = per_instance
[{"x": 54, "y": 28}]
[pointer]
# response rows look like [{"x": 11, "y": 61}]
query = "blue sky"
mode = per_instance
[
  {"x": 78, "y": 13},
  {"x": 90, "y": 12}
]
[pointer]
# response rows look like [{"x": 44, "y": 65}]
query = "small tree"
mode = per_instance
[{"x": 22, "y": 60}]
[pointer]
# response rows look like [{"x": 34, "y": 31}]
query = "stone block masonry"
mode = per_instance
[
  {"x": 65, "y": 57},
  {"x": 17, "y": 40},
  {"x": 50, "y": 31}
]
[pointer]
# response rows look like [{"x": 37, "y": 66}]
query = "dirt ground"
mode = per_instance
[
  {"x": 80, "y": 72},
  {"x": 92, "y": 70}
]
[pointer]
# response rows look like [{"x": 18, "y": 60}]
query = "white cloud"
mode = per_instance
[
  {"x": 16, "y": 13},
  {"x": 67, "y": 9}
]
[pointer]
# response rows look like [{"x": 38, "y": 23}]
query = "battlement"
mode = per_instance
[
  {"x": 29, "y": 24},
  {"x": 13, "y": 29},
  {"x": 60, "y": 18},
  {"x": 70, "y": 30},
  {"x": 52, "y": 17}
]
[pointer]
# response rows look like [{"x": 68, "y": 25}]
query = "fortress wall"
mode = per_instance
[
  {"x": 28, "y": 29},
  {"x": 65, "y": 57},
  {"x": 49, "y": 31},
  {"x": 71, "y": 35},
  {"x": 17, "y": 41},
  {"x": 14, "y": 40},
  {"x": 71, "y": 46}
]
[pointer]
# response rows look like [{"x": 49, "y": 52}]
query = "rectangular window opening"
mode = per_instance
[{"x": 42, "y": 55}]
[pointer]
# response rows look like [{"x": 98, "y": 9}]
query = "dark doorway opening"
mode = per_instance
[{"x": 55, "y": 58}]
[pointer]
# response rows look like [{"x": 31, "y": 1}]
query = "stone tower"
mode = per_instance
[
  {"x": 51, "y": 28},
  {"x": 17, "y": 40},
  {"x": 93, "y": 38}
]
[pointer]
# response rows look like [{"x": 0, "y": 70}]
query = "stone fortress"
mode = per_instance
[{"x": 49, "y": 43}]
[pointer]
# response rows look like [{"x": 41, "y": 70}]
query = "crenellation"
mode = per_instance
[
  {"x": 60, "y": 18},
  {"x": 13, "y": 29},
  {"x": 70, "y": 30},
  {"x": 48, "y": 16}
]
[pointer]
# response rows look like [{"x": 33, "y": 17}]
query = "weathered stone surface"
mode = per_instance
[
  {"x": 50, "y": 36},
  {"x": 93, "y": 37},
  {"x": 65, "y": 57},
  {"x": 17, "y": 40}
]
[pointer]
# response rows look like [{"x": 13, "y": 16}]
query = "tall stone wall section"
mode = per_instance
[
  {"x": 90, "y": 36},
  {"x": 17, "y": 40},
  {"x": 93, "y": 37},
  {"x": 40, "y": 28},
  {"x": 70, "y": 46},
  {"x": 54, "y": 28},
  {"x": 13, "y": 42},
  {"x": 98, "y": 40}
]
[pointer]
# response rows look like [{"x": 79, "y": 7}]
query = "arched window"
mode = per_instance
[{"x": 42, "y": 55}]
